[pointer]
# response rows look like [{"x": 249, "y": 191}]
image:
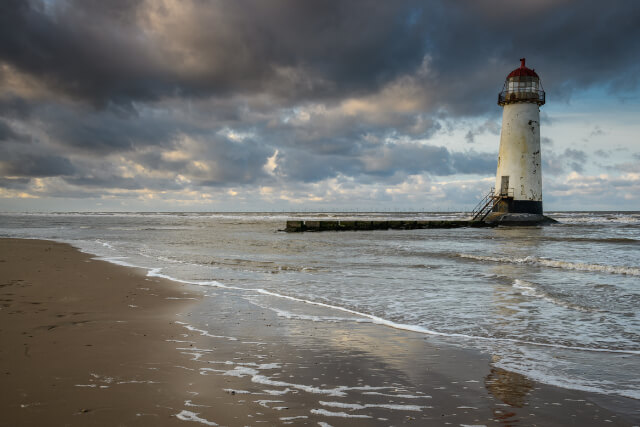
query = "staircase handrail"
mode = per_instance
[{"x": 482, "y": 204}]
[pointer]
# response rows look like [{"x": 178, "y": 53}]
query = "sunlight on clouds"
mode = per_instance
[
  {"x": 266, "y": 191},
  {"x": 271, "y": 165},
  {"x": 13, "y": 194},
  {"x": 169, "y": 26},
  {"x": 22, "y": 84},
  {"x": 405, "y": 94},
  {"x": 302, "y": 114},
  {"x": 235, "y": 135},
  {"x": 626, "y": 186},
  {"x": 175, "y": 155},
  {"x": 181, "y": 179},
  {"x": 201, "y": 166}
]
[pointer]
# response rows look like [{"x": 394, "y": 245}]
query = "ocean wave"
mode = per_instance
[
  {"x": 422, "y": 330},
  {"x": 599, "y": 218},
  {"x": 156, "y": 272},
  {"x": 614, "y": 240},
  {"x": 572, "y": 383},
  {"x": 566, "y": 265},
  {"x": 531, "y": 290}
]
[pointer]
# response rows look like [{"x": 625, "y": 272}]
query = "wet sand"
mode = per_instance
[{"x": 85, "y": 342}]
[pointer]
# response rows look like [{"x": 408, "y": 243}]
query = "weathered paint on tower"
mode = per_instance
[{"x": 518, "y": 186}]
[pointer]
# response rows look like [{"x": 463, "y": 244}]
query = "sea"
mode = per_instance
[{"x": 558, "y": 304}]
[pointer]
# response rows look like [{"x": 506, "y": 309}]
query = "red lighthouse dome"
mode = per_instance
[
  {"x": 522, "y": 85},
  {"x": 522, "y": 71}
]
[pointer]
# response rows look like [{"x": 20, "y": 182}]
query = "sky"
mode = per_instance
[{"x": 287, "y": 105}]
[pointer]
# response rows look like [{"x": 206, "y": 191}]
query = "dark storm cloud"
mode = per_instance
[
  {"x": 98, "y": 51},
  {"x": 227, "y": 161},
  {"x": 15, "y": 183},
  {"x": 472, "y": 162},
  {"x": 304, "y": 166},
  {"x": 89, "y": 89},
  {"x": 565, "y": 162},
  {"x": 21, "y": 156},
  {"x": 78, "y": 50},
  {"x": 388, "y": 161},
  {"x": 14, "y": 107},
  {"x": 488, "y": 126},
  {"x": 15, "y": 163},
  {"x": 572, "y": 44},
  {"x": 7, "y": 133},
  {"x": 107, "y": 131}
]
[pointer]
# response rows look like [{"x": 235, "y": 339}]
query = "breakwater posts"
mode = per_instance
[{"x": 338, "y": 225}]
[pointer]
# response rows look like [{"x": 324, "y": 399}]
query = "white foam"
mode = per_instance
[
  {"x": 269, "y": 366},
  {"x": 192, "y": 416},
  {"x": 591, "y": 219},
  {"x": 195, "y": 349},
  {"x": 337, "y": 414},
  {"x": 242, "y": 371},
  {"x": 137, "y": 382},
  {"x": 277, "y": 392},
  {"x": 613, "y": 269},
  {"x": 203, "y": 371},
  {"x": 155, "y": 272},
  {"x": 423, "y": 330},
  {"x": 356, "y": 406},
  {"x": 400, "y": 396},
  {"x": 561, "y": 382},
  {"x": 528, "y": 288},
  {"x": 298, "y": 316},
  {"x": 531, "y": 290},
  {"x": 105, "y": 244},
  {"x": 193, "y": 405},
  {"x": 205, "y": 333},
  {"x": 118, "y": 260},
  {"x": 265, "y": 403}
]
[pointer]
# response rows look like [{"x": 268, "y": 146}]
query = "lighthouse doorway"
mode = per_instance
[{"x": 504, "y": 186}]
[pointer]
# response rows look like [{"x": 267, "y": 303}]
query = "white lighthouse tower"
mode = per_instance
[{"x": 517, "y": 195}]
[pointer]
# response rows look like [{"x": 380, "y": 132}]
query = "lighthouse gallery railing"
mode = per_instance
[{"x": 508, "y": 96}]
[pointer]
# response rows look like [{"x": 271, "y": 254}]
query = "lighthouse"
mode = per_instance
[{"x": 517, "y": 195}]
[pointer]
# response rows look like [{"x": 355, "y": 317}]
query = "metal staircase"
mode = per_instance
[{"x": 485, "y": 205}]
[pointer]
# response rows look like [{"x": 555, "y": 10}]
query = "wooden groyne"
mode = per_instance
[{"x": 359, "y": 225}]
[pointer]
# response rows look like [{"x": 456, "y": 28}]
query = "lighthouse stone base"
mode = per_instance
[{"x": 518, "y": 219}]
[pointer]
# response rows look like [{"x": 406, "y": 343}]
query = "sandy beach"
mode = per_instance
[{"x": 86, "y": 342}]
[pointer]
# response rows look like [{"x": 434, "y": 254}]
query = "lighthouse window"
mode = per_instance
[{"x": 522, "y": 86}]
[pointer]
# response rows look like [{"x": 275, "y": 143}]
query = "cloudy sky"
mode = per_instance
[{"x": 308, "y": 105}]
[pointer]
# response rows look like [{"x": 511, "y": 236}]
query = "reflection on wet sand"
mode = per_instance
[{"x": 510, "y": 388}]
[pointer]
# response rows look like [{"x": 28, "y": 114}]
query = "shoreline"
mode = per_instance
[{"x": 88, "y": 341}]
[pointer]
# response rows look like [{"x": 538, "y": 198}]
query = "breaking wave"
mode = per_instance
[{"x": 566, "y": 265}]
